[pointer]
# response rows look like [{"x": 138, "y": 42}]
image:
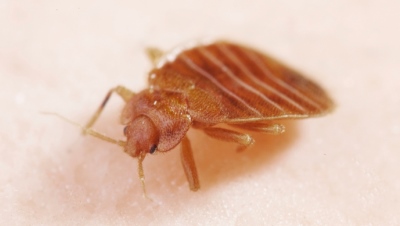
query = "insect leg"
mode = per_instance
[
  {"x": 271, "y": 128},
  {"x": 154, "y": 54},
  {"x": 188, "y": 164},
  {"x": 90, "y": 131},
  {"x": 244, "y": 140},
  {"x": 123, "y": 92}
]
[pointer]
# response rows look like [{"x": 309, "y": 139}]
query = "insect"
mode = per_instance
[{"x": 203, "y": 87}]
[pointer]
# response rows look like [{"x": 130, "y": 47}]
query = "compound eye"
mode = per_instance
[
  {"x": 125, "y": 130},
  {"x": 153, "y": 149}
]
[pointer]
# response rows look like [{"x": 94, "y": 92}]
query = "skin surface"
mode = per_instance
[{"x": 63, "y": 56}]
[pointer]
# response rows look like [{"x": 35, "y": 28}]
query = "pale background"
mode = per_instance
[{"x": 63, "y": 56}]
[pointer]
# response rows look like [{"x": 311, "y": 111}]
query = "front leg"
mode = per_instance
[
  {"x": 189, "y": 165},
  {"x": 244, "y": 140},
  {"x": 123, "y": 92}
]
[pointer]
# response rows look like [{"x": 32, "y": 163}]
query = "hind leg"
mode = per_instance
[
  {"x": 244, "y": 140},
  {"x": 271, "y": 128}
]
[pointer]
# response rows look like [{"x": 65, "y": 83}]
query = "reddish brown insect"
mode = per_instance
[{"x": 206, "y": 86}]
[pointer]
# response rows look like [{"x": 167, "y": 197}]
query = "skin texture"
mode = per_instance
[{"x": 63, "y": 56}]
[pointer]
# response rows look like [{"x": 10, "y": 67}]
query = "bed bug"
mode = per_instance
[{"x": 204, "y": 87}]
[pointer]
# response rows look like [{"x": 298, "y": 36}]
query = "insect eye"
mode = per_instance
[
  {"x": 125, "y": 130},
  {"x": 153, "y": 149}
]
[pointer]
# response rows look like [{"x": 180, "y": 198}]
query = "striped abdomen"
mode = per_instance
[{"x": 228, "y": 83}]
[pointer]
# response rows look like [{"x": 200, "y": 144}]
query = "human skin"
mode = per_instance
[{"x": 340, "y": 169}]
